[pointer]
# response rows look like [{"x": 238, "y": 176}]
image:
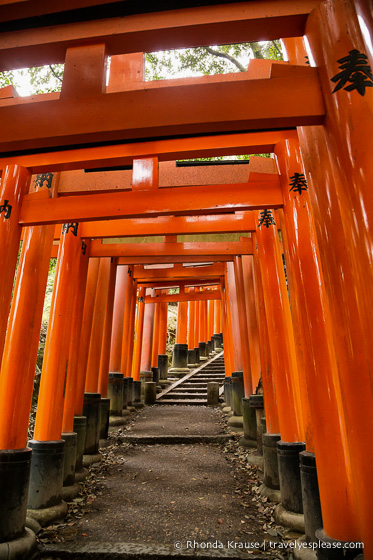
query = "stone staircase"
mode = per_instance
[{"x": 192, "y": 389}]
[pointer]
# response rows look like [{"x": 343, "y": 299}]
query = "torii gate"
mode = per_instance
[{"x": 329, "y": 283}]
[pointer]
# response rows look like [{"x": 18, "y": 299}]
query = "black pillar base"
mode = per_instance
[
  {"x": 332, "y": 549},
  {"x": 249, "y": 423},
  {"x": 196, "y": 350},
  {"x": 270, "y": 463},
  {"x": 46, "y": 477},
  {"x": 163, "y": 366},
  {"x": 179, "y": 359},
  {"x": 145, "y": 377},
  {"x": 192, "y": 358},
  {"x": 80, "y": 428},
  {"x": 310, "y": 495},
  {"x": 69, "y": 462},
  {"x": 257, "y": 402},
  {"x": 289, "y": 475},
  {"x": 217, "y": 342},
  {"x": 105, "y": 415},
  {"x": 127, "y": 391},
  {"x": 202, "y": 351},
  {"x": 14, "y": 485},
  {"x": 210, "y": 348},
  {"x": 238, "y": 392},
  {"x": 92, "y": 411},
  {"x": 136, "y": 398},
  {"x": 115, "y": 393},
  {"x": 155, "y": 372},
  {"x": 228, "y": 391}
]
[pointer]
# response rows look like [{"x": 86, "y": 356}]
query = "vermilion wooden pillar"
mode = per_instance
[
  {"x": 105, "y": 347},
  {"x": 14, "y": 184},
  {"x": 341, "y": 203},
  {"x": 227, "y": 335},
  {"x": 244, "y": 336},
  {"x": 269, "y": 391},
  {"x": 202, "y": 321},
  {"x": 252, "y": 319},
  {"x": 333, "y": 463},
  {"x": 74, "y": 385},
  {"x": 155, "y": 335},
  {"x": 138, "y": 335},
  {"x": 196, "y": 322},
  {"x": 85, "y": 334},
  {"x": 118, "y": 319},
  {"x": 131, "y": 337},
  {"x": 126, "y": 321},
  {"x": 280, "y": 331},
  {"x": 21, "y": 344},
  {"x": 182, "y": 322},
  {"x": 97, "y": 328},
  {"x": 210, "y": 319},
  {"x": 233, "y": 319},
  {"x": 162, "y": 341},
  {"x": 49, "y": 414},
  {"x": 217, "y": 320},
  {"x": 147, "y": 339},
  {"x": 191, "y": 322}
]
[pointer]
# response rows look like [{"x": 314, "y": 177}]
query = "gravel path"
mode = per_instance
[{"x": 184, "y": 498}]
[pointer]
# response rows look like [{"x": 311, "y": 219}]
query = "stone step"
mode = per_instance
[
  {"x": 189, "y": 389},
  {"x": 175, "y": 395},
  {"x": 182, "y": 401}
]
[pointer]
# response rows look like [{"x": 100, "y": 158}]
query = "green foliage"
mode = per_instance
[
  {"x": 6, "y": 79},
  {"x": 200, "y": 61}
]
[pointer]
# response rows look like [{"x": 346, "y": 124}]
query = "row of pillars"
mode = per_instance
[
  {"x": 295, "y": 351},
  {"x": 314, "y": 327}
]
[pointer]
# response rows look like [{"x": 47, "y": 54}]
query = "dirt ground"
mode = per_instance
[{"x": 180, "y": 497}]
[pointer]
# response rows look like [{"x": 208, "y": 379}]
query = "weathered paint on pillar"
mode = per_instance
[
  {"x": 244, "y": 335},
  {"x": 97, "y": 328},
  {"x": 73, "y": 384},
  {"x": 323, "y": 388},
  {"x": 103, "y": 378},
  {"x": 268, "y": 380},
  {"x": 138, "y": 335},
  {"x": 85, "y": 333},
  {"x": 14, "y": 184},
  {"x": 182, "y": 322},
  {"x": 147, "y": 338},
  {"x": 280, "y": 331},
  {"x": 49, "y": 414},
  {"x": 21, "y": 344},
  {"x": 118, "y": 319}
]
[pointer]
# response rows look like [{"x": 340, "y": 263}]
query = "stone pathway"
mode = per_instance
[{"x": 163, "y": 500}]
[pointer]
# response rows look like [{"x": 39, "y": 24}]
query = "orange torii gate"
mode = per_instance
[{"x": 325, "y": 216}]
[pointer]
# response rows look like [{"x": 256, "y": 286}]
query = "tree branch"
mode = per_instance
[
  {"x": 228, "y": 57},
  {"x": 54, "y": 73}
]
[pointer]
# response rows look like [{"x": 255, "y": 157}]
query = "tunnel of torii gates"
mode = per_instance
[{"x": 92, "y": 167}]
